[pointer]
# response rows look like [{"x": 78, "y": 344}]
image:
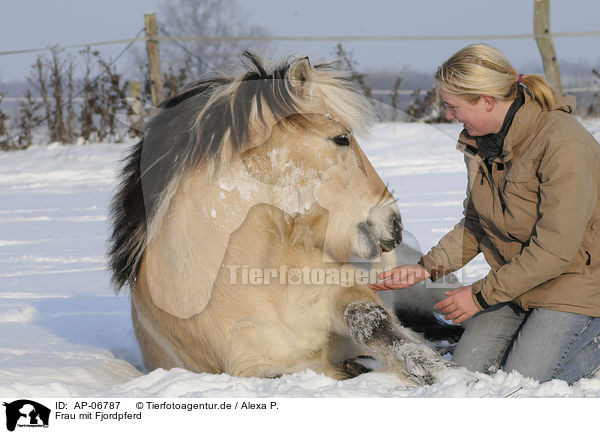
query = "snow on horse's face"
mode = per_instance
[{"x": 319, "y": 157}]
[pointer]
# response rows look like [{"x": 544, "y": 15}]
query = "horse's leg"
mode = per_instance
[
  {"x": 401, "y": 350},
  {"x": 157, "y": 350}
]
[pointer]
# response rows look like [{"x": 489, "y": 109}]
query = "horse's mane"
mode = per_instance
[{"x": 207, "y": 123}]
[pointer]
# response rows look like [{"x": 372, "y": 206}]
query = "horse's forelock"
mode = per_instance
[{"x": 241, "y": 107}]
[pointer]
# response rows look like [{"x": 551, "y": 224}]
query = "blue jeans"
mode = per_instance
[{"x": 542, "y": 344}]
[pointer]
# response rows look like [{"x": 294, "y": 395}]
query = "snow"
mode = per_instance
[{"x": 64, "y": 333}]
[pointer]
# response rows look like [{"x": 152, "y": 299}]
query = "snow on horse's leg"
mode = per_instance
[{"x": 402, "y": 350}]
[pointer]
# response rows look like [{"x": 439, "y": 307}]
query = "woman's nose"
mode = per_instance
[{"x": 449, "y": 114}]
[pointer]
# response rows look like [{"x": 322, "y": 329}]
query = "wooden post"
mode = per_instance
[
  {"x": 136, "y": 109},
  {"x": 543, "y": 38},
  {"x": 154, "y": 56}
]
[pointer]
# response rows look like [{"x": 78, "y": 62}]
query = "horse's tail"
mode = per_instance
[{"x": 129, "y": 229}]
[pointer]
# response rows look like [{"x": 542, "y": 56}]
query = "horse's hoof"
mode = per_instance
[{"x": 355, "y": 366}]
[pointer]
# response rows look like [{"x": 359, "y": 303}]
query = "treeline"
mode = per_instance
[
  {"x": 72, "y": 109},
  {"x": 82, "y": 98}
]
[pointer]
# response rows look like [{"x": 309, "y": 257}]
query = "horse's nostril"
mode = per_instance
[
  {"x": 397, "y": 227},
  {"x": 367, "y": 241},
  {"x": 390, "y": 244}
]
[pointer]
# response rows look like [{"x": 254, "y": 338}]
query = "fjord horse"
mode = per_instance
[{"x": 235, "y": 222}]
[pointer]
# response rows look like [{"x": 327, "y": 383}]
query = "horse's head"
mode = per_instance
[
  {"x": 342, "y": 201},
  {"x": 226, "y": 144}
]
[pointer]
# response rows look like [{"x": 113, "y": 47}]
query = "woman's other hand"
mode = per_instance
[{"x": 459, "y": 305}]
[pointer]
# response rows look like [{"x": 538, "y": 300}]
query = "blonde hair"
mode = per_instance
[{"x": 480, "y": 69}]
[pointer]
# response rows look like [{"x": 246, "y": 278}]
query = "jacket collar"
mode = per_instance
[{"x": 520, "y": 133}]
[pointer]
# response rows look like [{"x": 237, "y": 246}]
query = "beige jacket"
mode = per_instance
[{"x": 535, "y": 217}]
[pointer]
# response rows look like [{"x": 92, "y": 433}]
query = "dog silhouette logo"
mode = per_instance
[{"x": 26, "y": 413}]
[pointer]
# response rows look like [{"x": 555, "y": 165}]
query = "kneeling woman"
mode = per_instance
[{"x": 532, "y": 209}]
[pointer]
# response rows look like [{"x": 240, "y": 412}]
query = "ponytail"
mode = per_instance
[{"x": 540, "y": 90}]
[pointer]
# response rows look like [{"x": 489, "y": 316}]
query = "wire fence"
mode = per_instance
[
  {"x": 386, "y": 92},
  {"x": 342, "y": 38},
  {"x": 178, "y": 39},
  {"x": 187, "y": 38}
]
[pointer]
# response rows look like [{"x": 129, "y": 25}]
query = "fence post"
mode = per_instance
[
  {"x": 136, "y": 109},
  {"x": 543, "y": 38},
  {"x": 154, "y": 57}
]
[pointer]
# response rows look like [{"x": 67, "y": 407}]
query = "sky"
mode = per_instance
[{"x": 26, "y": 24}]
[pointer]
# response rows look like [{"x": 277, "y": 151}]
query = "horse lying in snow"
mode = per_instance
[{"x": 236, "y": 218}]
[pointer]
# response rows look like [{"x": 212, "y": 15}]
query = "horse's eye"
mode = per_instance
[{"x": 341, "y": 140}]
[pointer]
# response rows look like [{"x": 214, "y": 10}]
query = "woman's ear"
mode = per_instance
[{"x": 489, "y": 102}]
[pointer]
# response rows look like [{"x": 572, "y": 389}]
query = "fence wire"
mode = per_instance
[
  {"x": 182, "y": 38},
  {"x": 165, "y": 37}
]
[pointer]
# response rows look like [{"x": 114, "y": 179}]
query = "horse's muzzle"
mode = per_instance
[{"x": 380, "y": 232}]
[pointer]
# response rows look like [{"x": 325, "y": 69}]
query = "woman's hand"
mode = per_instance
[
  {"x": 459, "y": 305},
  {"x": 400, "y": 277}
]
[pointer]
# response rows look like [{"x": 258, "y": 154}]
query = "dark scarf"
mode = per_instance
[{"x": 490, "y": 146}]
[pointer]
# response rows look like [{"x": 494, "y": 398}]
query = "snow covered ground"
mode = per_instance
[{"x": 63, "y": 333}]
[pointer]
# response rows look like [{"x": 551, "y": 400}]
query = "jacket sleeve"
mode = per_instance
[
  {"x": 567, "y": 195},
  {"x": 457, "y": 247}
]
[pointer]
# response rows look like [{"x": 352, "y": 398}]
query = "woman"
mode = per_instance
[{"x": 532, "y": 209}]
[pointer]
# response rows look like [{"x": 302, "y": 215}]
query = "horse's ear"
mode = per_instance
[{"x": 302, "y": 77}]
